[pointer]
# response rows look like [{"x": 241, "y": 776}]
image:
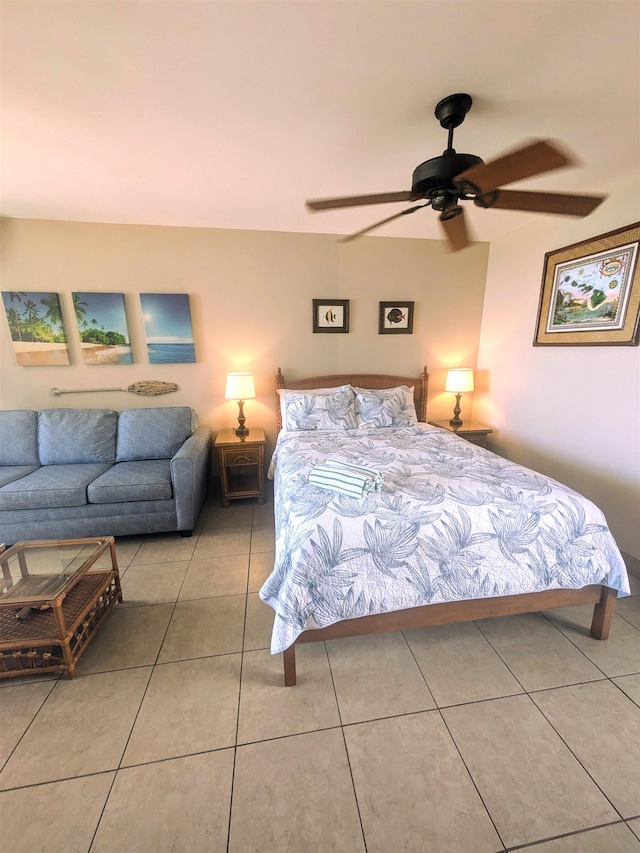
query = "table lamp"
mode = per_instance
[
  {"x": 240, "y": 387},
  {"x": 458, "y": 382}
]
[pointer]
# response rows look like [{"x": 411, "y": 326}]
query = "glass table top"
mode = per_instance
[{"x": 37, "y": 572}]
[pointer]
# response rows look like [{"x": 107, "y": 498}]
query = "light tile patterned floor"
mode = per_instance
[{"x": 177, "y": 735}]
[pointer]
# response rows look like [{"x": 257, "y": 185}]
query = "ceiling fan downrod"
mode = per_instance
[
  {"x": 433, "y": 179},
  {"x": 451, "y": 112}
]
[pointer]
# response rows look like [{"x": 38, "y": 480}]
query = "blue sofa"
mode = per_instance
[{"x": 70, "y": 473}]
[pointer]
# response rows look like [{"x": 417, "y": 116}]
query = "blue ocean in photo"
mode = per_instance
[{"x": 171, "y": 353}]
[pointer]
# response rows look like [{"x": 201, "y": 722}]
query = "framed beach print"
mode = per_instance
[
  {"x": 331, "y": 315},
  {"x": 591, "y": 292},
  {"x": 396, "y": 318},
  {"x": 102, "y": 324},
  {"x": 37, "y": 328},
  {"x": 167, "y": 323}
]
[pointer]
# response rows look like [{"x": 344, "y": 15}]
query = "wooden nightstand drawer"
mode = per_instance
[
  {"x": 250, "y": 456},
  {"x": 241, "y": 465}
]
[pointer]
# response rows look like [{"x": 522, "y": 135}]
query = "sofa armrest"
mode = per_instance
[{"x": 190, "y": 474}]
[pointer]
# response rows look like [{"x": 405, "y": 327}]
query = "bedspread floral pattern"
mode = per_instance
[
  {"x": 453, "y": 521},
  {"x": 335, "y": 410},
  {"x": 385, "y": 407}
]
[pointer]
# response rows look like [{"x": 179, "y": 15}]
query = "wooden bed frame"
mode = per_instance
[{"x": 602, "y": 597}]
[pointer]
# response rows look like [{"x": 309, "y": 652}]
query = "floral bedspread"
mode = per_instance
[{"x": 453, "y": 521}]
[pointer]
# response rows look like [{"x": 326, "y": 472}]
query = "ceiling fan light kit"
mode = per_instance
[{"x": 443, "y": 182}]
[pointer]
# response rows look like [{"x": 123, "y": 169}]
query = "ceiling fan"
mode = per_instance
[{"x": 443, "y": 182}]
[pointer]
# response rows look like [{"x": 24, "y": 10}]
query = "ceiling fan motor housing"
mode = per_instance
[{"x": 433, "y": 179}]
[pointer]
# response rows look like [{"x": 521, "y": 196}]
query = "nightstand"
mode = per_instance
[
  {"x": 241, "y": 465},
  {"x": 472, "y": 431}
]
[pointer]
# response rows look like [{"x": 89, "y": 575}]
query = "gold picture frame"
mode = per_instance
[{"x": 590, "y": 293}]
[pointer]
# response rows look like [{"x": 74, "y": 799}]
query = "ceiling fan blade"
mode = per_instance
[
  {"x": 454, "y": 225},
  {"x": 534, "y": 158},
  {"x": 381, "y": 222},
  {"x": 561, "y": 203},
  {"x": 357, "y": 200}
]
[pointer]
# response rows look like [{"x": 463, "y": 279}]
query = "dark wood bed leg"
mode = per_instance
[
  {"x": 602, "y": 614},
  {"x": 289, "y": 660}
]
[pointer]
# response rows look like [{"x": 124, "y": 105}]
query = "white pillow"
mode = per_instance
[
  {"x": 331, "y": 408},
  {"x": 385, "y": 407},
  {"x": 282, "y": 395}
]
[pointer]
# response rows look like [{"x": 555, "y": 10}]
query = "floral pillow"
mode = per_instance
[
  {"x": 333, "y": 409},
  {"x": 385, "y": 407}
]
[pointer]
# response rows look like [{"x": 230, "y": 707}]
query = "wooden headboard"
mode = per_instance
[{"x": 361, "y": 380}]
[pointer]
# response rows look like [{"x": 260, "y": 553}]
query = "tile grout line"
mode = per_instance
[
  {"x": 473, "y": 781},
  {"x": 424, "y": 677},
  {"x": 144, "y": 693},
  {"x": 346, "y": 748},
  {"x": 577, "y": 758},
  {"x": 31, "y": 722},
  {"x": 575, "y": 833},
  {"x": 235, "y": 743},
  {"x": 142, "y": 698}
]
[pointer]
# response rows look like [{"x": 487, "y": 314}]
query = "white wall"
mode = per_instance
[
  {"x": 251, "y": 303},
  {"x": 573, "y": 413},
  {"x": 570, "y": 412}
]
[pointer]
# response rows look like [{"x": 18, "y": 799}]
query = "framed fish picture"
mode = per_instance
[
  {"x": 167, "y": 323},
  {"x": 37, "y": 328},
  {"x": 396, "y": 318},
  {"x": 331, "y": 315}
]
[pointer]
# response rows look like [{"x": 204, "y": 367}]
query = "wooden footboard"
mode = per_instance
[{"x": 462, "y": 611}]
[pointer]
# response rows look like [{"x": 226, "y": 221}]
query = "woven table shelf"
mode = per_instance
[{"x": 34, "y": 645}]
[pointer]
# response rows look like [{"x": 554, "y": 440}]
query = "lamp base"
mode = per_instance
[
  {"x": 241, "y": 431},
  {"x": 455, "y": 421}
]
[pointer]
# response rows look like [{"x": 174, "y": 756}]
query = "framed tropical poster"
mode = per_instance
[
  {"x": 102, "y": 324},
  {"x": 37, "y": 329},
  {"x": 167, "y": 323},
  {"x": 591, "y": 292}
]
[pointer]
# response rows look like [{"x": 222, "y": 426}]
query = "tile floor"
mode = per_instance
[{"x": 178, "y": 735}]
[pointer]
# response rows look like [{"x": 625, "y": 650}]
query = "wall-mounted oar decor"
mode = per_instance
[{"x": 145, "y": 388}]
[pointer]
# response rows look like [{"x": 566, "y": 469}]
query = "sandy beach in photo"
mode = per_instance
[
  {"x": 103, "y": 354},
  {"x": 30, "y": 354}
]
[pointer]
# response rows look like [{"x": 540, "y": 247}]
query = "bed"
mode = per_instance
[{"x": 455, "y": 532}]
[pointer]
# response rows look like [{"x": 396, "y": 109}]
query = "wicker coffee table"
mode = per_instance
[{"x": 51, "y": 605}]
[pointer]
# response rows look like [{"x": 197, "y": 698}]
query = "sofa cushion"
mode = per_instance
[
  {"x": 18, "y": 437},
  {"x": 133, "y": 481},
  {"x": 70, "y": 436},
  {"x": 51, "y": 486},
  {"x": 9, "y": 473},
  {"x": 156, "y": 433}
]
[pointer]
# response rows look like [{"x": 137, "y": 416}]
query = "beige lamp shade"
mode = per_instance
[
  {"x": 459, "y": 380},
  {"x": 240, "y": 386}
]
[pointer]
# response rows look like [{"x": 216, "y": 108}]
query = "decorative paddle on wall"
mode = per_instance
[
  {"x": 145, "y": 388},
  {"x": 443, "y": 182}
]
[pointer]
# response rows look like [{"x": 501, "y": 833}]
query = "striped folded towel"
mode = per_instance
[
  {"x": 342, "y": 480},
  {"x": 376, "y": 476}
]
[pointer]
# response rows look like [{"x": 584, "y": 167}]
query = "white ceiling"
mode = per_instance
[{"x": 230, "y": 113}]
